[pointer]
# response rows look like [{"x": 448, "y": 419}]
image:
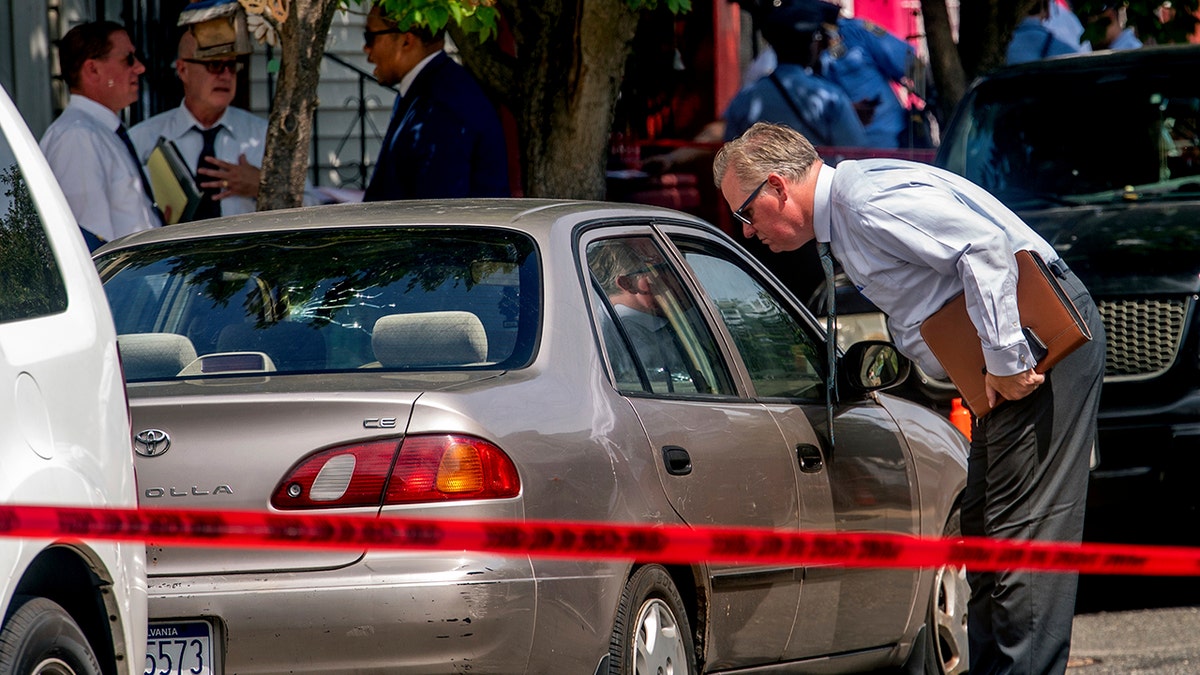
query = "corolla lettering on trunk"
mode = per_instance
[{"x": 195, "y": 491}]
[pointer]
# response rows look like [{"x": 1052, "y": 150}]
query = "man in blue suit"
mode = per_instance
[{"x": 444, "y": 139}]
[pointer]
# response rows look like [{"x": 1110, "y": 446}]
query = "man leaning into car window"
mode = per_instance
[{"x": 911, "y": 237}]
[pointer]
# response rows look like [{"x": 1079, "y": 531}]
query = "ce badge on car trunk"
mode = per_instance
[{"x": 151, "y": 442}]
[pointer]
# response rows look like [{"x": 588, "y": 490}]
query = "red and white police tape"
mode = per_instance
[{"x": 667, "y": 543}]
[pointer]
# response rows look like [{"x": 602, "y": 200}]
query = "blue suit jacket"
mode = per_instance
[{"x": 444, "y": 140}]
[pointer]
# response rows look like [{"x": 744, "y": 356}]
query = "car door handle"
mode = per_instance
[
  {"x": 809, "y": 457},
  {"x": 678, "y": 461}
]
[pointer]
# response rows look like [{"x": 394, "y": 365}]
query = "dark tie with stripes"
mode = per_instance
[
  {"x": 124, "y": 136},
  {"x": 209, "y": 207}
]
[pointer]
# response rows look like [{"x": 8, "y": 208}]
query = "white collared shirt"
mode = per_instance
[
  {"x": 912, "y": 236},
  {"x": 242, "y": 133},
  {"x": 98, "y": 176}
]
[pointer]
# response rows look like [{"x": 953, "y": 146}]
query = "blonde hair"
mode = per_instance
[{"x": 765, "y": 148}]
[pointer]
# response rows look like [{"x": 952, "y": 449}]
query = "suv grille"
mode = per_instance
[{"x": 1143, "y": 336}]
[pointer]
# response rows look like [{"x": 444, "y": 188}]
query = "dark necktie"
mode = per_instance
[
  {"x": 209, "y": 207},
  {"x": 124, "y": 136},
  {"x": 830, "y": 332}
]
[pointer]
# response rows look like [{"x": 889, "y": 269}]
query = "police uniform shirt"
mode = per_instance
[
  {"x": 827, "y": 116},
  {"x": 865, "y": 61},
  {"x": 1033, "y": 41}
]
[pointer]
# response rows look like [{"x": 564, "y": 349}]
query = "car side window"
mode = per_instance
[
  {"x": 31, "y": 284},
  {"x": 783, "y": 359},
  {"x": 655, "y": 336}
]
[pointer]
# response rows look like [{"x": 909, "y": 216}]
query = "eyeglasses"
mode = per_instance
[
  {"x": 129, "y": 59},
  {"x": 217, "y": 67},
  {"x": 369, "y": 35},
  {"x": 740, "y": 213}
]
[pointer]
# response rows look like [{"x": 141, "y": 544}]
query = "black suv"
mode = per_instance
[{"x": 1100, "y": 153}]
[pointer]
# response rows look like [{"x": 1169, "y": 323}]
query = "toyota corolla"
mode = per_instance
[{"x": 516, "y": 360}]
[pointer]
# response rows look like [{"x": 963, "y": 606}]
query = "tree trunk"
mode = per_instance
[
  {"x": 943, "y": 57},
  {"x": 985, "y": 28},
  {"x": 289, "y": 131},
  {"x": 570, "y": 59}
]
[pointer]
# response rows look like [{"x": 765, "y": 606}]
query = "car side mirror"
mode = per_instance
[{"x": 873, "y": 365}]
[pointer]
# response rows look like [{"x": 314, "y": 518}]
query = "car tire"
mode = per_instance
[
  {"x": 40, "y": 638},
  {"x": 942, "y": 647},
  {"x": 651, "y": 633}
]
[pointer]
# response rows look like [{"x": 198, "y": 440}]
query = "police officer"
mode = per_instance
[{"x": 865, "y": 60}]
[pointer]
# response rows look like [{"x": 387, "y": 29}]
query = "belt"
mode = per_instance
[{"x": 1059, "y": 268}]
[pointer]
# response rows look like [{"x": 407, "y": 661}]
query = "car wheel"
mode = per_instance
[
  {"x": 40, "y": 638},
  {"x": 651, "y": 634},
  {"x": 942, "y": 649}
]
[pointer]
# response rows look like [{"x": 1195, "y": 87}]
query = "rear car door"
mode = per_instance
[
  {"x": 866, "y": 483},
  {"x": 721, "y": 457}
]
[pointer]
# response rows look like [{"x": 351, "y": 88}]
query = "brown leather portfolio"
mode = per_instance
[{"x": 1050, "y": 321}]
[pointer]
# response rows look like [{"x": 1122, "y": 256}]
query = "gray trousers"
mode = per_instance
[{"x": 1027, "y": 479}]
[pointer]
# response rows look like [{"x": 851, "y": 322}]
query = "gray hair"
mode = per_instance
[
  {"x": 762, "y": 149},
  {"x": 614, "y": 258}
]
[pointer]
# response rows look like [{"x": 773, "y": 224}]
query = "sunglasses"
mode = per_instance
[
  {"x": 129, "y": 59},
  {"x": 370, "y": 35},
  {"x": 217, "y": 67},
  {"x": 740, "y": 213}
]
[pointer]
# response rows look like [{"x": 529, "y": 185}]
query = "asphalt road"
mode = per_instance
[
  {"x": 1136, "y": 626},
  {"x": 1161, "y": 641}
]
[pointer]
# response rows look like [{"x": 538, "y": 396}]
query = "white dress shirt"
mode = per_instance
[
  {"x": 242, "y": 133},
  {"x": 98, "y": 176},
  {"x": 912, "y": 236}
]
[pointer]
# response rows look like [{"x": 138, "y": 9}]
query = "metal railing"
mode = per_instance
[{"x": 355, "y": 172}]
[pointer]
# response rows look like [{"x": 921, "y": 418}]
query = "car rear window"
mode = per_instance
[{"x": 325, "y": 300}]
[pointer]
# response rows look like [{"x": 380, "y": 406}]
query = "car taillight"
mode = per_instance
[
  {"x": 350, "y": 475},
  {"x": 433, "y": 468},
  {"x": 447, "y": 467}
]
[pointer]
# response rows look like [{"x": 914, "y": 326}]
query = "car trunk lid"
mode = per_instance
[{"x": 232, "y": 441}]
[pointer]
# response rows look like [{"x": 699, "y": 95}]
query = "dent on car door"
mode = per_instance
[
  {"x": 720, "y": 457},
  {"x": 865, "y": 483}
]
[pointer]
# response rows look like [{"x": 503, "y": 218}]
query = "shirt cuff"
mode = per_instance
[{"x": 1009, "y": 360}]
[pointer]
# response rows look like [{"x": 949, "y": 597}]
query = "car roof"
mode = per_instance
[
  {"x": 1158, "y": 57},
  {"x": 536, "y": 216}
]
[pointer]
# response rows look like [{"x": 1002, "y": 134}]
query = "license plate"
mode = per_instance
[{"x": 179, "y": 648}]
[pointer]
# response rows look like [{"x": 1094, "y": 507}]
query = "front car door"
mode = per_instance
[
  {"x": 721, "y": 460},
  {"x": 867, "y": 480}
]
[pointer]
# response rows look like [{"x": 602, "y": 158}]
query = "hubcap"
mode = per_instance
[
  {"x": 658, "y": 646},
  {"x": 950, "y": 618},
  {"x": 52, "y": 667}
]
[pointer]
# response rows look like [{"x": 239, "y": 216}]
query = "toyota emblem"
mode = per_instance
[{"x": 151, "y": 442}]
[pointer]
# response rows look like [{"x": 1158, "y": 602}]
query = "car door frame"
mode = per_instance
[
  {"x": 749, "y": 604},
  {"x": 850, "y": 596}
]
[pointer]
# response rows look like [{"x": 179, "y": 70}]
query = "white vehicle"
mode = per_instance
[{"x": 69, "y": 605}]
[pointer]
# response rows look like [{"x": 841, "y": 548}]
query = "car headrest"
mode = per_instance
[
  {"x": 449, "y": 338},
  {"x": 149, "y": 356}
]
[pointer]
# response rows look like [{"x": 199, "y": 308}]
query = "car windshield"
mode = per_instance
[
  {"x": 1076, "y": 137},
  {"x": 324, "y": 301}
]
